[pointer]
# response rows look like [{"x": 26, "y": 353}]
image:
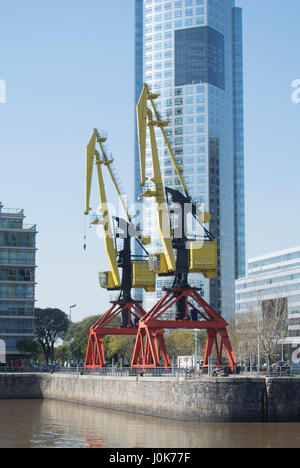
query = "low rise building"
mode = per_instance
[
  {"x": 273, "y": 277},
  {"x": 17, "y": 282}
]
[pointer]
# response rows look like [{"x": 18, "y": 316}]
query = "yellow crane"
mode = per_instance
[
  {"x": 192, "y": 256},
  {"x": 181, "y": 254},
  {"x": 137, "y": 273}
]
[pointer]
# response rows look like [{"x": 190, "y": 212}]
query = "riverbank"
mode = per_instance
[{"x": 231, "y": 399}]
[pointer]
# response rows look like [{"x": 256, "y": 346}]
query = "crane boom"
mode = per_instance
[
  {"x": 143, "y": 115},
  {"x": 192, "y": 256},
  {"x": 93, "y": 157},
  {"x": 162, "y": 124},
  {"x": 136, "y": 273}
]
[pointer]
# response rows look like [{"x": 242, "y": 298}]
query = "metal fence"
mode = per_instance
[
  {"x": 23, "y": 370},
  {"x": 127, "y": 371},
  {"x": 176, "y": 372}
]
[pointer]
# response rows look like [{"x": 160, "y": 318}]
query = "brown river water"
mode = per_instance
[{"x": 52, "y": 424}]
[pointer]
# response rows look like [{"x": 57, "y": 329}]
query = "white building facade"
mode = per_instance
[{"x": 274, "y": 276}]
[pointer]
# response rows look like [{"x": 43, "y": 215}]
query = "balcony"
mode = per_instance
[
  {"x": 22, "y": 228},
  {"x": 18, "y": 332},
  {"x": 12, "y": 211}
]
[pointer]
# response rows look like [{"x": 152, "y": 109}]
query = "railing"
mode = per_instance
[
  {"x": 24, "y": 227},
  {"x": 278, "y": 371},
  {"x": 137, "y": 372},
  {"x": 170, "y": 372},
  {"x": 284, "y": 371},
  {"x": 23, "y": 370},
  {"x": 17, "y": 211}
]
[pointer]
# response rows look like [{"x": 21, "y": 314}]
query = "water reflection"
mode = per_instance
[{"x": 35, "y": 423}]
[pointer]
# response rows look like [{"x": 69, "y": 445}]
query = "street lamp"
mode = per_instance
[
  {"x": 259, "y": 311},
  {"x": 70, "y": 338},
  {"x": 196, "y": 337}
]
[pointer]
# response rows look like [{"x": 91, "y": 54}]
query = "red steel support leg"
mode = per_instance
[
  {"x": 150, "y": 344},
  {"x": 227, "y": 345},
  {"x": 139, "y": 351},
  {"x": 163, "y": 349},
  {"x": 209, "y": 345}
]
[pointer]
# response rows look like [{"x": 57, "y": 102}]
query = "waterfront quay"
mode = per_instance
[{"x": 191, "y": 399}]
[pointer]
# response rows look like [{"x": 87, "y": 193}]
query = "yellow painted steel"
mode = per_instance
[
  {"x": 143, "y": 277},
  {"x": 204, "y": 259},
  {"x": 106, "y": 280},
  {"x": 158, "y": 263},
  {"x": 162, "y": 124},
  {"x": 92, "y": 157},
  {"x": 161, "y": 204},
  {"x": 141, "y": 113}
]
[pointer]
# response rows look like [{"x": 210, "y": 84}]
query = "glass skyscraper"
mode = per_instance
[{"x": 190, "y": 51}]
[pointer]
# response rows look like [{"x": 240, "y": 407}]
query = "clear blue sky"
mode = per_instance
[{"x": 69, "y": 67}]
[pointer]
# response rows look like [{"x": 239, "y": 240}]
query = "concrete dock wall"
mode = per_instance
[{"x": 205, "y": 399}]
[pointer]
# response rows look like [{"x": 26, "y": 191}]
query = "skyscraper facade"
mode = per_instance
[
  {"x": 17, "y": 282},
  {"x": 190, "y": 51}
]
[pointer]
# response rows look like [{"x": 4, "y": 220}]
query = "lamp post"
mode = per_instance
[
  {"x": 196, "y": 336},
  {"x": 258, "y": 328},
  {"x": 70, "y": 339}
]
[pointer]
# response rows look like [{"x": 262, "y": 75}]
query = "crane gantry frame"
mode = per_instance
[
  {"x": 135, "y": 272},
  {"x": 192, "y": 311}
]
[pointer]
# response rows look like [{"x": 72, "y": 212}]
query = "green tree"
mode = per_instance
[
  {"x": 50, "y": 325},
  {"x": 79, "y": 336},
  {"x": 32, "y": 348},
  {"x": 121, "y": 347},
  {"x": 61, "y": 352},
  {"x": 182, "y": 343}
]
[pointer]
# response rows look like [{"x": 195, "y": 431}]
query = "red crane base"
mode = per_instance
[
  {"x": 146, "y": 352},
  {"x": 95, "y": 357}
]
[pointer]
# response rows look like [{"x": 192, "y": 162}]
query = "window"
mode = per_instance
[
  {"x": 189, "y": 140},
  {"x": 189, "y": 161},
  {"x": 179, "y": 121},
  {"x": 189, "y": 120},
  {"x": 199, "y": 57}
]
